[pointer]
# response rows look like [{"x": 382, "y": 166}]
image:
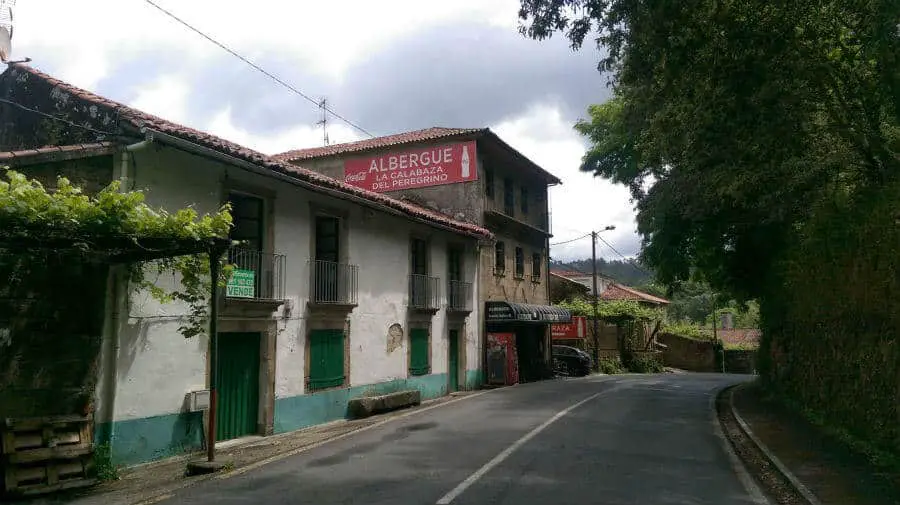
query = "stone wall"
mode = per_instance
[
  {"x": 740, "y": 361},
  {"x": 688, "y": 354}
]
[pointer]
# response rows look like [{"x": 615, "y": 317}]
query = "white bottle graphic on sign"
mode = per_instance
[{"x": 465, "y": 162}]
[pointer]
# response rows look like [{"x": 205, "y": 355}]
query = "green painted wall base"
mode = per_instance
[
  {"x": 138, "y": 441},
  {"x": 302, "y": 411},
  {"x": 147, "y": 439},
  {"x": 473, "y": 380}
]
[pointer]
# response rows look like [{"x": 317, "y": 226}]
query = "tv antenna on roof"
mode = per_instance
[
  {"x": 323, "y": 104},
  {"x": 6, "y": 29}
]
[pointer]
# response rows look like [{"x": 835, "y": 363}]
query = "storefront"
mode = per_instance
[{"x": 518, "y": 341}]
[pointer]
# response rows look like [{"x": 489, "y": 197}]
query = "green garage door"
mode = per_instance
[{"x": 238, "y": 388}]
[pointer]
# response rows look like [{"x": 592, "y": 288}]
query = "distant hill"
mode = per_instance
[{"x": 622, "y": 272}]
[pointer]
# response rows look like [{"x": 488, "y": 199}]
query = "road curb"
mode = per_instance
[
  {"x": 782, "y": 469},
  {"x": 737, "y": 465}
]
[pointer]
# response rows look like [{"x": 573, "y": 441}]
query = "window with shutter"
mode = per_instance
[
  {"x": 326, "y": 359},
  {"x": 418, "y": 352}
]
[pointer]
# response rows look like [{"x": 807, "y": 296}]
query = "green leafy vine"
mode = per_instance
[{"x": 108, "y": 223}]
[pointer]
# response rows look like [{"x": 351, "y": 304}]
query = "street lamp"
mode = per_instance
[{"x": 596, "y": 297}]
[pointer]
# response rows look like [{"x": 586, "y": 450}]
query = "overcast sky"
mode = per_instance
[{"x": 388, "y": 66}]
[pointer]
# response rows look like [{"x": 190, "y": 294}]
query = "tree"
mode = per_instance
[{"x": 742, "y": 115}]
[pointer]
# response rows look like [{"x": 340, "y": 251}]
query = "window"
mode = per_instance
[
  {"x": 327, "y": 238},
  {"x": 456, "y": 288},
  {"x": 524, "y": 200},
  {"x": 455, "y": 263},
  {"x": 499, "y": 258},
  {"x": 419, "y": 283},
  {"x": 489, "y": 182},
  {"x": 418, "y": 352},
  {"x": 326, "y": 359},
  {"x": 536, "y": 267},
  {"x": 520, "y": 263},
  {"x": 247, "y": 221},
  {"x": 247, "y": 229},
  {"x": 509, "y": 197},
  {"x": 326, "y": 270},
  {"x": 419, "y": 257}
]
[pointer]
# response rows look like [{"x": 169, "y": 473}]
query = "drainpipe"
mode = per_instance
[{"x": 115, "y": 290}]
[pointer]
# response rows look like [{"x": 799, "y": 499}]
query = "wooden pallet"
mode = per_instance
[{"x": 45, "y": 454}]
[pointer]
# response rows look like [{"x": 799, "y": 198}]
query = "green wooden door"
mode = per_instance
[
  {"x": 238, "y": 385},
  {"x": 453, "y": 351}
]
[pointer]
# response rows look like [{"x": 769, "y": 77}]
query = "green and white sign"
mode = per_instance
[{"x": 241, "y": 284}]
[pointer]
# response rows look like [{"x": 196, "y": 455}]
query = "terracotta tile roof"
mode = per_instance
[
  {"x": 412, "y": 137},
  {"x": 434, "y": 133},
  {"x": 570, "y": 273},
  {"x": 739, "y": 336},
  {"x": 619, "y": 292},
  {"x": 139, "y": 120},
  {"x": 57, "y": 153}
]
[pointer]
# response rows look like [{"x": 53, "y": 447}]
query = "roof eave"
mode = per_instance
[
  {"x": 190, "y": 146},
  {"x": 551, "y": 179}
]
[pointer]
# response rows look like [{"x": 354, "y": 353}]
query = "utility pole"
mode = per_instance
[{"x": 594, "y": 300}]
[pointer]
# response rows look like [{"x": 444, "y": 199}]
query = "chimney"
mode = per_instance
[{"x": 727, "y": 319}]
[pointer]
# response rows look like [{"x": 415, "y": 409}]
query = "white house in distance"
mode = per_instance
[{"x": 341, "y": 291}]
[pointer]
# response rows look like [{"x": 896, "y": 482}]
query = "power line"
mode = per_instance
[
  {"x": 257, "y": 67},
  {"x": 628, "y": 261},
  {"x": 572, "y": 240},
  {"x": 56, "y": 118}
]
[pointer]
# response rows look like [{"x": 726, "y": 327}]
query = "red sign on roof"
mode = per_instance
[{"x": 414, "y": 168}]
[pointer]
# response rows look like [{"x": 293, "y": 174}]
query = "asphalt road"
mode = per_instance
[{"x": 641, "y": 440}]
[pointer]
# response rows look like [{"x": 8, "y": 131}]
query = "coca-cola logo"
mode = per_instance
[{"x": 357, "y": 177}]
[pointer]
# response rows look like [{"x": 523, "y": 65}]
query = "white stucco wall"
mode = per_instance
[{"x": 156, "y": 365}]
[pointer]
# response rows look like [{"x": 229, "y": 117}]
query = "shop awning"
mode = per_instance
[{"x": 509, "y": 312}]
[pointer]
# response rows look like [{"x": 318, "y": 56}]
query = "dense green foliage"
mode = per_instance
[
  {"x": 741, "y": 114},
  {"x": 687, "y": 330},
  {"x": 761, "y": 144},
  {"x": 613, "y": 312},
  {"x": 107, "y": 224}
]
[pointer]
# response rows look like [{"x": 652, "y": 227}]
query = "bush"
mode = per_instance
[
  {"x": 687, "y": 330},
  {"x": 645, "y": 363},
  {"x": 610, "y": 366},
  {"x": 104, "y": 467}
]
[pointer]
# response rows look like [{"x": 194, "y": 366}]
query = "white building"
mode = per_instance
[{"x": 346, "y": 290}]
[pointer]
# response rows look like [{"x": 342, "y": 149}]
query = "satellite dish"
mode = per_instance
[{"x": 6, "y": 29}]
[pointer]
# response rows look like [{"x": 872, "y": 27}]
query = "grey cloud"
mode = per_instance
[
  {"x": 470, "y": 75},
  {"x": 458, "y": 74}
]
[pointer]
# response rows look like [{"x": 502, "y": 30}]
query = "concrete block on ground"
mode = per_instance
[{"x": 366, "y": 406}]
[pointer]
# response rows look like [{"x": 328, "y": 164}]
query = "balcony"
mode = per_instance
[
  {"x": 256, "y": 275},
  {"x": 334, "y": 284},
  {"x": 424, "y": 293},
  {"x": 459, "y": 296}
]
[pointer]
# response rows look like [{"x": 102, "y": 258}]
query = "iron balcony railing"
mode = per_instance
[
  {"x": 424, "y": 292},
  {"x": 334, "y": 283},
  {"x": 459, "y": 296},
  {"x": 256, "y": 275}
]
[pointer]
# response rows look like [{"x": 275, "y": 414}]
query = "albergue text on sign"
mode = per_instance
[{"x": 414, "y": 168}]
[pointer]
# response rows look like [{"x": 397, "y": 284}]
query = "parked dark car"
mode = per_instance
[{"x": 571, "y": 361}]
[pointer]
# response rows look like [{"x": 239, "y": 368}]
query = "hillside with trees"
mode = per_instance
[{"x": 623, "y": 272}]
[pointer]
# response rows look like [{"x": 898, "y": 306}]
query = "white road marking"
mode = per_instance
[{"x": 459, "y": 489}]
